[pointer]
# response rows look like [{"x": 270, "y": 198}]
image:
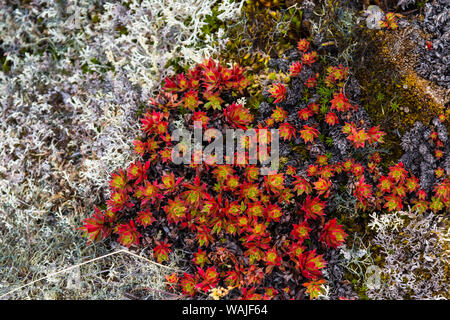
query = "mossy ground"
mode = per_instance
[{"x": 393, "y": 94}]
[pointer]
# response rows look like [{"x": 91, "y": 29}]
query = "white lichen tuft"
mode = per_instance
[{"x": 414, "y": 248}]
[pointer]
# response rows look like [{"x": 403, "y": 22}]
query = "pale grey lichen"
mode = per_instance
[
  {"x": 405, "y": 3},
  {"x": 415, "y": 253}
]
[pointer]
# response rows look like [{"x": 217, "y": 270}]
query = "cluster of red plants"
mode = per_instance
[
  {"x": 265, "y": 236},
  {"x": 397, "y": 189}
]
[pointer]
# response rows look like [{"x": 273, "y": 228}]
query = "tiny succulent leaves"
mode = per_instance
[
  {"x": 279, "y": 114},
  {"x": 303, "y": 45},
  {"x": 315, "y": 288},
  {"x": 313, "y": 207},
  {"x": 145, "y": 218},
  {"x": 333, "y": 234},
  {"x": 128, "y": 234},
  {"x": 175, "y": 210},
  {"x": 311, "y": 264},
  {"x": 308, "y": 133},
  {"x": 300, "y": 231},
  {"x": 287, "y": 131},
  {"x": 161, "y": 252},
  {"x": 98, "y": 226},
  {"x": 238, "y": 115},
  {"x": 278, "y": 92}
]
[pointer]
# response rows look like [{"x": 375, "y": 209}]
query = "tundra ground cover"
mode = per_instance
[
  {"x": 76, "y": 80},
  {"x": 74, "y": 77}
]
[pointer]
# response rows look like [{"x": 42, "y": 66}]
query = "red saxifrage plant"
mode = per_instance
[{"x": 264, "y": 236}]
